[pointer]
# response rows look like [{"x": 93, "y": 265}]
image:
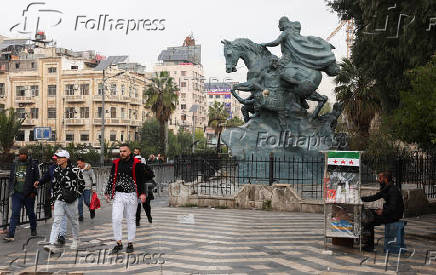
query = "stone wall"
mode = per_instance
[
  {"x": 282, "y": 197},
  {"x": 279, "y": 197}
]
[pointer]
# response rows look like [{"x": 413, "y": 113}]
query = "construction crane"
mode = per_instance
[{"x": 350, "y": 34}]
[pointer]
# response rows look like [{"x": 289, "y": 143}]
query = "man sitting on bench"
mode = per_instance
[{"x": 392, "y": 211}]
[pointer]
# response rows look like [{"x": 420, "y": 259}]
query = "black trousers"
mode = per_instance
[
  {"x": 368, "y": 228},
  {"x": 147, "y": 207}
]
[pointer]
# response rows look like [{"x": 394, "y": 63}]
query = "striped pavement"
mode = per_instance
[{"x": 229, "y": 241}]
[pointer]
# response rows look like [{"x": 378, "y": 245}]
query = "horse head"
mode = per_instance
[{"x": 254, "y": 55}]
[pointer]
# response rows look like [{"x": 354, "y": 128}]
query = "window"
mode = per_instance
[
  {"x": 69, "y": 89},
  {"x": 69, "y": 112},
  {"x": 123, "y": 112},
  {"x": 113, "y": 112},
  {"x": 135, "y": 115},
  {"x": 2, "y": 90},
  {"x": 113, "y": 89},
  {"x": 84, "y": 112},
  {"x": 51, "y": 90},
  {"x": 21, "y": 91},
  {"x": 135, "y": 92},
  {"x": 123, "y": 89},
  {"x": 51, "y": 112},
  {"x": 33, "y": 65},
  {"x": 130, "y": 91},
  {"x": 100, "y": 89},
  {"x": 31, "y": 135},
  {"x": 183, "y": 106},
  {"x": 113, "y": 136},
  {"x": 84, "y": 137},
  {"x": 183, "y": 95},
  {"x": 21, "y": 112},
  {"x": 34, "y": 113},
  {"x": 84, "y": 89},
  {"x": 183, "y": 73},
  {"x": 35, "y": 90},
  {"x": 183, "y": 117},
  {"x": 74, "y": 67},
  {"x": 227, "y": 96},
  {"x": 2, "y": 107},
  {"x": 130, "y": 113},
  {"x": 20, "y": 136},
  {"x": 183, "y": 84},
  {"x": 122, "y": 136},
  {"x": 217, "y": 96},
  {"x": 17, "y": 65},
  {"x": 99, "y": 112},
  {"x": 210, "y": 96},
  {"x": 69, "y": 137},
  {"x": 52, "y": 70}
]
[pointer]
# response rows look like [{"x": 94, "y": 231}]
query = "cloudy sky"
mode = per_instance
[{"x": 210, "y": 21}]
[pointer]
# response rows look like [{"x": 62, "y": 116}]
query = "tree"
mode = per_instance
[
  {"x": 415, "y": 119},
  {"x": 354, "y": 90},
  {"x": 150, "y": 139},
  {"x": 391, "y": 37},
  {"x": 217, "y": 116},
  {"x": 10, "y": 124},
  {"x": 234, "y": 122},
  {"x": 162, "y": 99}
]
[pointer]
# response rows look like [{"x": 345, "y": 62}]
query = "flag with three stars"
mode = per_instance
[{"x": 344, "y": 158}]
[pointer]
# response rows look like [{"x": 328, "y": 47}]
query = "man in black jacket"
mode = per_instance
[
  {"x": 393, "y": 208},
  {"x": 24, "y": 173},
  {"x": 149, "y": 186},
  {"x": 125, "y": 186}
]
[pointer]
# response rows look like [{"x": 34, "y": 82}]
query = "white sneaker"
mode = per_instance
[{"x": 74, "y": 244}]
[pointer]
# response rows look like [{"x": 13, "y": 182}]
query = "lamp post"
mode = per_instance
[
  {"x": 193, "y": 109},
  {"x": 103, "y": 114}
]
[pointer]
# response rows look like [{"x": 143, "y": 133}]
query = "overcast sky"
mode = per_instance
[{"x": 210, "y": 21}]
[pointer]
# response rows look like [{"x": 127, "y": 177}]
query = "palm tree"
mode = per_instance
[
  {"x": 354, "y": 90},
  {"x": 217, "y": 115},
  {"x": 162, "y": 99},
  {"x": 10, "y": 124}
]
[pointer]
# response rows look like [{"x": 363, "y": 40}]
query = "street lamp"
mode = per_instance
[
  {"x": 103, "y": 114},
  {"x": 194, "y": 109}
]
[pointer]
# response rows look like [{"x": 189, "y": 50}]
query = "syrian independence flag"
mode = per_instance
[{"x": 344, "y": 158}]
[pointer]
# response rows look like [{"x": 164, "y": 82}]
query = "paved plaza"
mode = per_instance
[{"x": 218, "y": 241}]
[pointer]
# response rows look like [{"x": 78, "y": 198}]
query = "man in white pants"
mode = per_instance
[
  {"x": 68, "y": 185},
  {"x": 125, "y": 185}
]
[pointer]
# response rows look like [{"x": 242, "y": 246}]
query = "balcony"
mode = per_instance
[
  {"x": 135, "y": 101},
  {"x": 135, "y": 123},
  {"x": 24, "y": 99},
  {"x": 112, "y": 121},
  {"x": 30, "y": 122},
  {"x": 75, "y": 98},
  {"x": 112, "y": 98},
  {"x": 75, "y": 121}
]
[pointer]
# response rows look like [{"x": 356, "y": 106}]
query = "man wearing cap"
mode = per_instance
[
  {"x": 125, "y": 185},
  {"x": 68, "y": 185},
  {"x": 24, "y": 173}
]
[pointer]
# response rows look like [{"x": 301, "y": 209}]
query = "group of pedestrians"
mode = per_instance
[{"x": 130, "y": 186}]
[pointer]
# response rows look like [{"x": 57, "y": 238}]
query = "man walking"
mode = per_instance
[
  {"x": 125, "y": 185},
  {"x": 393, "y": 208},
  {"x": 68, "y": 185},
  {"x": 149, "y": 185},
  {"x": 89, "y": 178},
  {"x": 24, "y": 173}
]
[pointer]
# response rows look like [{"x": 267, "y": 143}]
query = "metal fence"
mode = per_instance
[{"x": 223, "y": 175}]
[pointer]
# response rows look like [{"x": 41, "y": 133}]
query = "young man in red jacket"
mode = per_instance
[{"x": 125, "y": 186}]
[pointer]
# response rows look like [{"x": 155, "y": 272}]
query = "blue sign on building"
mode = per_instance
[{"x": 42, "y": 133}]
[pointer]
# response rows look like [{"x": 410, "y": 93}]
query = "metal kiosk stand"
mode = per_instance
[{"x": 342, "y": 203}]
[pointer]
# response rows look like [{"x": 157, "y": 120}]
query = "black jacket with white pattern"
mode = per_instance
[{"x": 70, "y": 177}]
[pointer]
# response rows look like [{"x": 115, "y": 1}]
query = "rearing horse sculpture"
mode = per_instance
[{"x": 301, "y": 80}]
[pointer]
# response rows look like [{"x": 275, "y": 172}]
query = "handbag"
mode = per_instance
[
  {"x": 95, "y": 202},
  {"x": 68, "y": 195}
]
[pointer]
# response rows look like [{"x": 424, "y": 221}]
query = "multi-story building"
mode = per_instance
[
  {"x": 61, "y": 89},
  {"x": 221, "y": 93},
  {"x": 184, "y": 65}
]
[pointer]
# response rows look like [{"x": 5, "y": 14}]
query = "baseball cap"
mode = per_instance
[{"x": 62, "y": 154}]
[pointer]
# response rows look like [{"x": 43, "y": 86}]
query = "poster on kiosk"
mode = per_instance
[{"x": 342, "y": 194}]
